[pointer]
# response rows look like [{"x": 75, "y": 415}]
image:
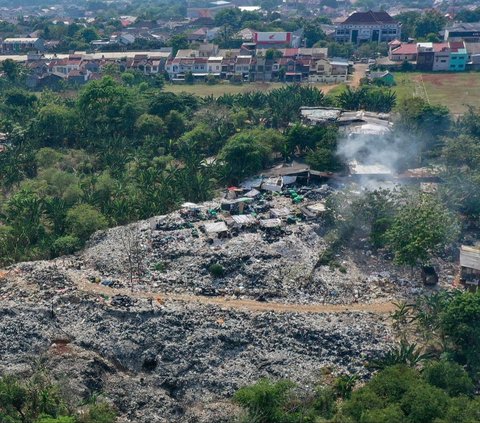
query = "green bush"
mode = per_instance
[
  {"x": 64, "y": 245},
  {"x": 216, "y": 270},
  {"x": 451, "y": 377}
]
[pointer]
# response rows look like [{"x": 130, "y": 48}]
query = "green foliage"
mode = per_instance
[
  {"x": 98, "y": 413},
  {"x": 56, "y": 125},
  {"x": 461, "y": 156},
  {"x": 406, "y": 354},
  {"x": 216, "y": 270},
  {"x": 281, "y": 106},
  {"x": 245, "y": 154},
  {"x": 64, "y": 245},
  {"x": 264, "y": 401},
  {"x": 325, "y": 159},
  {"x": 150, "y": 125},
  {"x": 426, "y": 124},
  {"x": 451, "y": 377},
  {"x": 421, "y": 228},
  {"x": 83, "y": 220},
  {"x": 189, "y": 78},
  {"x": 460, "y": 325},
  {"x": 107, "y": 107},
  {"x": 62, "y": 419},
  {"x": 37, "y": 399},
  {"x": 371, "y": 98}
]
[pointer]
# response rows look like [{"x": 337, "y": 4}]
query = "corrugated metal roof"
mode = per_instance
[{"x": 470, "y": 257}]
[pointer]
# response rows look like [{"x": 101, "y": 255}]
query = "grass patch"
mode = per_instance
[
  {"x": 221, "y": 88},
  {"x": 454, "y": 90}
]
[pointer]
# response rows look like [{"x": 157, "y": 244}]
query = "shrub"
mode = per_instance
[{"x": 216, "y": 270}]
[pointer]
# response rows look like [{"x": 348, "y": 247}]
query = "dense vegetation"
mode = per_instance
[
  {"x": 39, "y": 400},
  {"x": 119, "y": 151}
]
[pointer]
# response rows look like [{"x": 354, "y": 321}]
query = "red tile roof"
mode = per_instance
[
  {"x": 290, "y": 52},
  {"x": 439, "y": 47},
  {"x": 406, "y": 49},
  {"x": 456, "y": 45}
]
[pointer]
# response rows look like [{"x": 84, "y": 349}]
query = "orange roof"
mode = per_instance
[{"x": 406, "y": 49}]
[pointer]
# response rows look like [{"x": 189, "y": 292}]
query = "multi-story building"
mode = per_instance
[
  {"x": 368, "y": 26},
  {"x": 463, "y": 31},
  {"x": 22, "y": 45}
]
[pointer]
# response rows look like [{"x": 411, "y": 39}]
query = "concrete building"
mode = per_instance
[
  {"x": 369, "y": 26},
  {"x": 451, "y": 56},
  {"x": 458, "y": 57},
  {"x": 463, "y": 31},
  {"x": 22, "y": 45}
]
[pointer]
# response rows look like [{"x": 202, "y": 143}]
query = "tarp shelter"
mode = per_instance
[
  {"x": 273, "y": 184},
  {"x": 192, "y": 206},
  {"x": 317, "y": 208},
  {"x": 215, "y": 228},
  {"x": 244, "y": 219},
  {"x": 252, "y": 193},
  {"x": 470, "y": 257},
  {"x": 279, "y": 213},
  {"x": 289, "y": 180},
  {"x": 270, "y": 223}
]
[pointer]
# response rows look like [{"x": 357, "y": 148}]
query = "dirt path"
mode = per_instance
[
  {"x": 240, "y": 304},
  {"x": 359, "y": 72}
]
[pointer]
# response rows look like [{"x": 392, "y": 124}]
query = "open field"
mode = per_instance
[
  {"x": 227, "y": 88},
  {"x": 454, "y": 90}
]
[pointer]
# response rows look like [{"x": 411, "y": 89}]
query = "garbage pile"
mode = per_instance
[{"x": 251, "y": 242}]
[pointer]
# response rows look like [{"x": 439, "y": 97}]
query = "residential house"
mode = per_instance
[
  {"x": 441, "y": 62},
  {"x": 245, "y": 35},
  {"x": 65, "y": 66},
  {"x": 425, "y": 56},
  {"x": 458, "y": 56},
  {"x": 214, "y": 65},
  {"x": 384, "y": 78},
  {"x": 329, "y": 71},
  {"x": 473, "y": 52},
  {"x": 403, "y": 52},
  {"x": 242, "y": 67},
  {"x": 199, "y": 34},
  {"x": 368, "y": 26},
  {"x": 207, "y": 50},
  {"x": 262, "y": 69}
]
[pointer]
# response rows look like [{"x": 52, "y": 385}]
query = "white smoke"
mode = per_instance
[{"x": 375, "y": 154}]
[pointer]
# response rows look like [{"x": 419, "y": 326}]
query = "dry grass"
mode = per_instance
[
  {"x": 454, "y": 90},
  {"x": 217, "y": 90}
]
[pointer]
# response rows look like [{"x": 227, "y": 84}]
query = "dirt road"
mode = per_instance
[
  {"x": 231, "y": 303},
  {"x": 359, "y": 72}
]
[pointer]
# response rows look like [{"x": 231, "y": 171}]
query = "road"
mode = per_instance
[
  {"x": 359, "y": 72},
  {"x": 231, "y": 303}
]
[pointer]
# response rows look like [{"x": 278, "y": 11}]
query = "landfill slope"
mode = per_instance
[{"x": 139, "y": 315}]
